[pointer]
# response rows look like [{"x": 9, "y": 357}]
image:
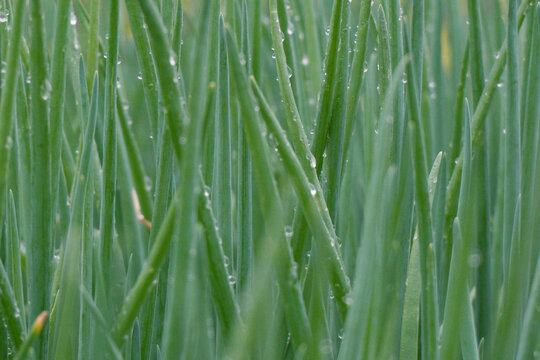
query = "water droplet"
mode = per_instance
[
  {"x": 172, "y": 61},
  {"x": 312, "y": 161},
  {"x": 475, "y": 260},
  {"x": 45, "y": 90},
  {"x": 4, "y": 14},
  {"x": 9, "y": 142},
  {"x": 305, "y": 61},
  {"x": 72, "y": 19},
  {"x": 290, "y": 28},
  {"x": 288, "y": 231},
  {"x": 56, "y": 255},
  {"x": 500, "y": 85},
  {"x": 147, "y": 183},
  {"x": 312, "y": 190},
  {"x": 232, "y": 280}
]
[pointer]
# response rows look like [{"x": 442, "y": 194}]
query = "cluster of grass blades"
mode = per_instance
[{"x": 270, "y": 179}]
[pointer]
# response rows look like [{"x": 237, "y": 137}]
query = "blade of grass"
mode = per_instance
[
  {"x": 109, "y": 176},
  {"x": 457, "y": 280},
  {"x": 65, "y": 324},
  {"x": 357, "y": 72},
  {"x": 8, "y": 96},
  {"x": 222, "y": 161},
  {"x": 271, "y": 205},
  {"x": 146, "y": 62},
  {"x": 39, "y": 243},
  {"x": 56, "y": 104},
  {"x": 478, "y": 119},
  {"x": 307, "y": 191},
  {"x": 9, "y": 311},
  {"x": 429, "y": 294},
  {"x": 228, "y": 309},
  {"x": 35, "y": 331}
]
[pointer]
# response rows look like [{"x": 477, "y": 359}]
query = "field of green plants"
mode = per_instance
[{"x": 270, "y": 179}]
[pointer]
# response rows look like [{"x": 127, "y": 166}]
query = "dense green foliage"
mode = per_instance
[{"x": 270, "y": 179}]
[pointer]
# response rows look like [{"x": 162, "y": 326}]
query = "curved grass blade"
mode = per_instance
[
  {"x": 329, "y": 81},
  {"x": 227, "y": 307},
  {"x": 271, "y": 205},
  {"x": 142, "y": 43},
  {"x": 357, "y": 72},
  {"x": 478, "y": 120},
  {"x": 157, "y": 255},
  {"x": 9, "y": 311},
  {"x": 36, "y": 329},
  {"x": 314, "y": 213},
  {"x": 7, "y": 99}
]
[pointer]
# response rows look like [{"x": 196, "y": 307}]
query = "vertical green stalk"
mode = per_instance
[
  {"x": 510, "y": 307},
  {"x": 108, "y": 196},
  {"x": 357, "y": 73},
  {"x": 429, "y": 302},
  {"x": 458, "y": 277},
  {"x": 56, "y": 106},
  {"x": 324, "y": 111},
  {"x": 92, "y": 49},
  {"x": 336, "y": 132},
  {"x": 222, "y": 161},
  {"x": 295, "y": 311},
  {"x": 478, "y": 119},
  {"x": 8, "y": 96},
  {"x": 146, "y": 62},
  {"x": 40, "y": 244},
  {"x": 9, "y": 310}
]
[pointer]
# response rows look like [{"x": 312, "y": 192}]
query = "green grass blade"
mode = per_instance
[
  {"x": 286, "y": 273},
  {"x": 68, "y": 303},
  {"x": 109, "y": 178},
  {"x": 220, "y": 278},
  {"x": 35, "y": 331},
  {"x": 8, "y": 96},
  {"x": 312, "y": 208},
  {"x": 10, "y": 311},
  {"x": 39, "y": 244},
  {"x": 222, "y": 161},
  {"x": 430, "y": 311},
  {"x": 479, "y": 118},
  {"x": 146, "y": 62},
  {"x": 457, "y": 280},
  {"x": 58, "y": 74}
]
